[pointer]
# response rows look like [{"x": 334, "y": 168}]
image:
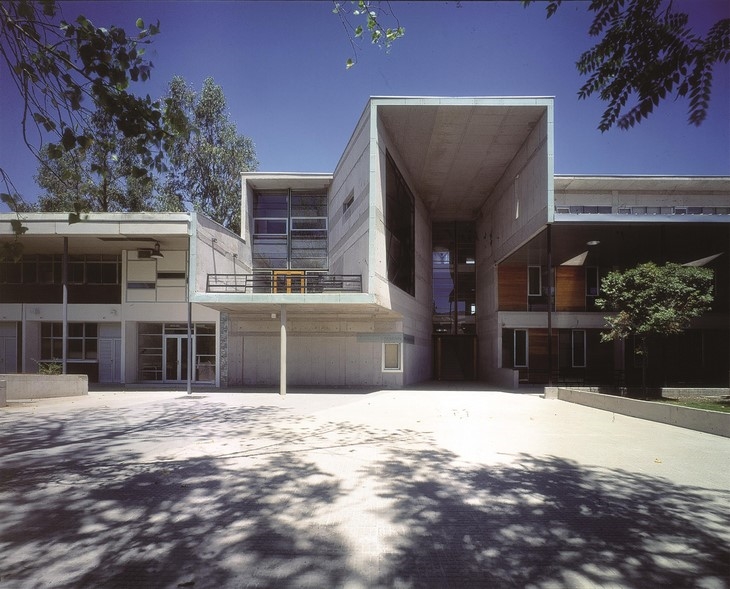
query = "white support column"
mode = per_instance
[{"x": 282, "y": 367}]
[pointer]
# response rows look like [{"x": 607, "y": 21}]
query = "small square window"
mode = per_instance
[{"x": 392, "y": 357}]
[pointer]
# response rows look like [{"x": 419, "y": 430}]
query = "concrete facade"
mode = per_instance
[{"x": 346, "y": 318}]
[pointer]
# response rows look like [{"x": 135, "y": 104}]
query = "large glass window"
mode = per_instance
[
  {"x": 48, "y": 269},
  {"x": 454, "y": 278},
  {"x": 290, "y": 230},
  {"x": 399, "y": 229},
  {"x": 162, "y": 351}
]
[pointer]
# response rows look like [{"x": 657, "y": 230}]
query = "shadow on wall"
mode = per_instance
[{"x": 241, "y": 500}]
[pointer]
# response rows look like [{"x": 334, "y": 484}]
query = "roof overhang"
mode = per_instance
[
  {"x": 285, "y": 180},
  {"x": 455, "y": 150},
  {"x": 99, "y": 233}
]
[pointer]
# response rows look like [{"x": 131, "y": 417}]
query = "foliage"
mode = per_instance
[
  {"x": 50, "y": 368},
  {"x": 103, "y": 177},
  {"x": 647, "y": 52},
  {"x": 371, "y": 14},
  {"x": 64, "y": 71},
  {"x": 206, "y": 156},
  {"x": 651, "y": 299}
]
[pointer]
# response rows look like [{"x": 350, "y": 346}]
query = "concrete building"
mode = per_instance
[{"x": 441, "y": 246}]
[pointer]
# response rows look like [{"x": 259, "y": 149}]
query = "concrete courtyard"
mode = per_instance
[{"x": 404, "y": 489}]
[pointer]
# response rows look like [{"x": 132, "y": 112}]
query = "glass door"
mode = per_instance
[{"x": 176, "y": 358}]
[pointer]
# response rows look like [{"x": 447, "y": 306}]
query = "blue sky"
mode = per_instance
[{"x": 282, "y": 68}]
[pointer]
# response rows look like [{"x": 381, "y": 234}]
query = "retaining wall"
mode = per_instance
[
  {"x": 43, "y": 386},
  {"x": 711, "y": 422}
]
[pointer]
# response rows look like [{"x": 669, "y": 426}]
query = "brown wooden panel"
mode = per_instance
[
  {"x": 570, "y": 288},
  {"x": 512, "y": 286}
]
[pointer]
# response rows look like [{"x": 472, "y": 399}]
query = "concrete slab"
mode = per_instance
[{"x": 414, "y": 488}]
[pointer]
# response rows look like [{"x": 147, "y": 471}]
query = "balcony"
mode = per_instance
[{"x": 284, "y": 282}]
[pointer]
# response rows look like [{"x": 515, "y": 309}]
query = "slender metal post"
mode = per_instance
[
  {"x": 282, "y": 367},
  {"x": 190, "y": 349},
  {"x": 64, "y": 279},
  {"x": 550, "y": 303}
]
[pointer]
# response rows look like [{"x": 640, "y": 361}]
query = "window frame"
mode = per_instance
[
  {"x": 530, "y": 292},
  {"x": 526, "y": 350},
  {"x": 573, "y": 334},
  {"x": 399, "y": 354}
]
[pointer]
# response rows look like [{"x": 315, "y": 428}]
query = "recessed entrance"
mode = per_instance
[{"x": 176, "y": 358}]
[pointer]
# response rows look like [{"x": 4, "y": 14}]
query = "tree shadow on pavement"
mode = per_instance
[
  {"x": 85, "y": 506},
  {"x": 548, "y": 522},
  {"x": 179, "y": 494}
]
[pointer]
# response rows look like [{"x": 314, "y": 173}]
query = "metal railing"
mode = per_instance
[{"x": 283, "y": 283}]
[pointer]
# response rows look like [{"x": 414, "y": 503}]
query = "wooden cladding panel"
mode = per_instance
[
  {"x": 512, "y": 285},
  {"x": 570, "y": 288}
]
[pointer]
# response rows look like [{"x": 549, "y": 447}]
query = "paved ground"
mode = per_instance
[{"x": 403, "y": 489}]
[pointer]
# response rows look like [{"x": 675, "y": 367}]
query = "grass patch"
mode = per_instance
[{"x": 713, "y": 404}]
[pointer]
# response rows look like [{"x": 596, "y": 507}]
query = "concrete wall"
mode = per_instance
[
  {"x": 415, "y": 310},
  {"x": 711, "y": 422},
  {"x": 42, "y": 386},
  {"x": 518, "y": 208},
  {"x": 321, "y": 351},
  {"x": 215, "y": 250},
  {"x": 3, "y": 394},
  {"x": 349, "y": 229}
]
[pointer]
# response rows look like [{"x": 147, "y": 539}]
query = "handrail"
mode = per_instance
[{"x": 283, "y": 283}]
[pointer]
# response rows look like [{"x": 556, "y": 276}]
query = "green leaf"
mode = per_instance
[
  {"x": 18, "y": 227},
  {"x": 349, "y": 63},
  {"x": 68, "y": 139},
  {"x": 140, "y": 24}
]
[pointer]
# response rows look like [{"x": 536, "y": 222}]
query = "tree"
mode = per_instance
[
  {"x": 651, "y": 300},
  {"x": 645, "y": 53},
  {"x": 65, "y": 71},
  {"x": 371, "y": 14},
  {"x": 102, "y": 177},
  {"x": 206, "y": 155}
]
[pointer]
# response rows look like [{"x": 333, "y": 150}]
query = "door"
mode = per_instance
[
  {"x": 8, "y": 355},
  {"x": 455, "y": 357},
  {"x": 289, "y": 281},
  {"x": 110, "y": 359},
  {"x": 176, "y": 358}
]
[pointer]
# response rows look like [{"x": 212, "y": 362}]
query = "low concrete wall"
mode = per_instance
[
  {"x": 711, "y": 422},
  {"x": 3, "y": 394},
  {"x": 693, "y": 393},
  {"x": 43, "y": 386}
]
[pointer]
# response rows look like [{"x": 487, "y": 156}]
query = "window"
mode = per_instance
[
  {"x": 269, "y": 227},
  {"x": 392, "y": 357},
  {"x": 348, "y": 202},
  {"x": 453, "y": 255},
  {"x": 592, "y": 281},
  {"x": 290, "y": 230},
  {"x": 579, "y": 348},
  {"x": 82, "y": 341},
  {"x": 520, "y": 351},
  {"x": 399, "y": 229},
  {"x": 534, "y": 281}
]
